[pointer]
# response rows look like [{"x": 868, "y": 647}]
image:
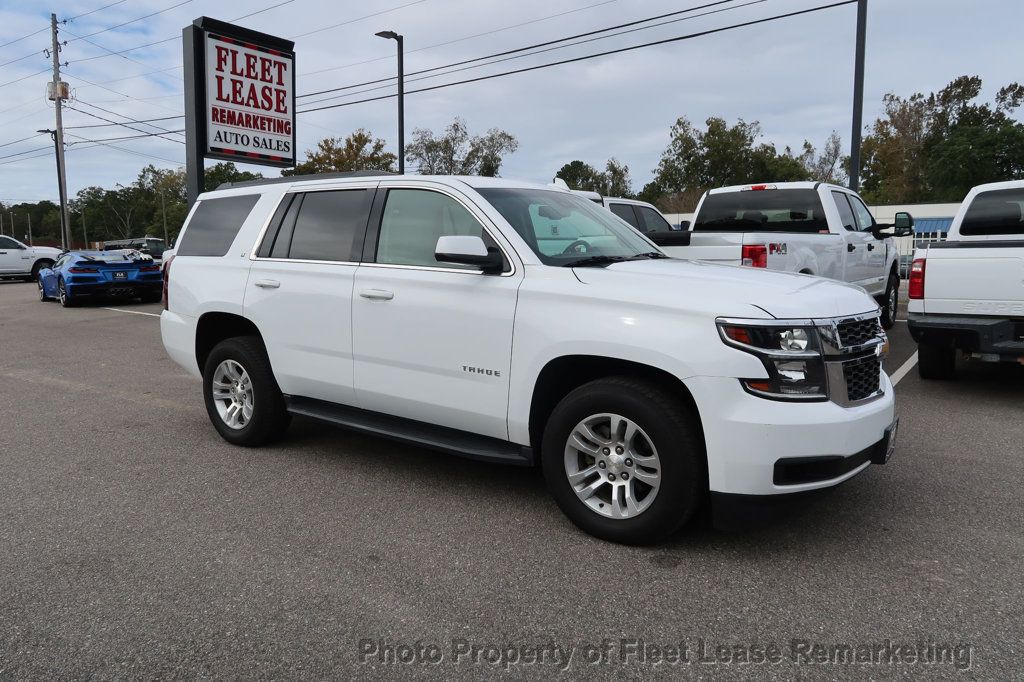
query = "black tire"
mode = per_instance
[
  {"x": 39, "y": 265},
  {"x": 269, "y": 417},
  {"x": 66, "y": 300},
  {"x": 675, "y": 433},
  {"x": 936, "y": 362},
  {"x": 890, "y": 301}
]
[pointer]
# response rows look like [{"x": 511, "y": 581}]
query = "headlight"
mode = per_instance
[{"x": 790, "y": 352}]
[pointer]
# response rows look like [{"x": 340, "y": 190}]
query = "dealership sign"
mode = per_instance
[{"x": 239, "y": 95}]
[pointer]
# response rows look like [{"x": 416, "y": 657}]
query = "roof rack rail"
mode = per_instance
[{"x": 301, "y": 178}]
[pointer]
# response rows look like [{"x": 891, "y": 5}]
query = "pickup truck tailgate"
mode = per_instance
[
  {"x": 716, "y": 247},
  {"x": 971, "y": 279}
]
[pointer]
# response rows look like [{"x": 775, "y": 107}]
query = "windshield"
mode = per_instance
[
  {"x": 769, "y": 210},
  {"x": 563, "y": 228}
]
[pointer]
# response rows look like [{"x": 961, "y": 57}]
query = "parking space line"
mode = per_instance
[
  {"x": 904, "y": 370},
  {"x": 133, "y": 312}
]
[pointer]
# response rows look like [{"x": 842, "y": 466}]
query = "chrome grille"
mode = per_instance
[
  {"x": 862, "y": 377},
  {"x": 854, "y": 333}
]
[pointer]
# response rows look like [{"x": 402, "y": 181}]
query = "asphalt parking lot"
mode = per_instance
[{"x": 136, "y": 543}]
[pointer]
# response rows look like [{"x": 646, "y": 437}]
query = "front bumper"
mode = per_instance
[
  {"x": 988, "y": 335},
  {"x": 812, "y": 445}
]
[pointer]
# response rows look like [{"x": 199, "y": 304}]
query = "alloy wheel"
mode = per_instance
[
  {"x": 612, "y": 465},
  {"x": 233, "y": 394}
]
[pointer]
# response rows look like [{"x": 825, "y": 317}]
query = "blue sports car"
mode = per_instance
[{"x": 83, "y": 275}]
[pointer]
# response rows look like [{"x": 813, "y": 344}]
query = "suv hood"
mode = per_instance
[{"x": 722, "y": 287}]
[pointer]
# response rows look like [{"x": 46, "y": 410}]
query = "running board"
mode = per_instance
[{"x": 454, "y": 441}]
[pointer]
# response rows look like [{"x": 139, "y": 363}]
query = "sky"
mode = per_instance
[{"x": 794, "y": 75}]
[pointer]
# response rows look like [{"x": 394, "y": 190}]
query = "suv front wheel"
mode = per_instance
[
  {"x": 624, "y": 460},
  {"x": 243, "y": 400}
]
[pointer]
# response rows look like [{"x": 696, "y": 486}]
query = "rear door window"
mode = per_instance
[
  {"x": 999, "y": 212},
  {"x": 769, "y": 210},
  {"x": 215, "y": 224},
  {"x": 625, "y": 211},
  {"x": 845, "y": 212},
  {"x": 330, "y": 225}
]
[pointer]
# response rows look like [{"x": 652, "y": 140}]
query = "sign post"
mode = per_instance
[{"x": 239, "y": 98}]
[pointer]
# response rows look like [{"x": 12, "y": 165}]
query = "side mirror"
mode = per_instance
[
  {"x": 671, "y": 238},
  {"x": 903, "y": 220},
  {"x": 682, "y": 226},
  {"x": 469, "y": 250}
]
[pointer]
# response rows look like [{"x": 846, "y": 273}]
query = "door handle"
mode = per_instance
[
  {"x": 871, "y": 247},
  {"x": 851, "y": 247},
  {"x": 267, "y": 283},
  {"x": 377, "y": 294}
]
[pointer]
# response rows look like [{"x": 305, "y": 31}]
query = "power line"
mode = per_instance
[
  {"x": 28, "y": 151},
  {"x": 18, "y": 80},
  {"x": 107, "y": 50},
  {"x": 132, "y": 137},
  {"x": 132, "y": 21},
  {"x": 27, "y": 35},
  {"x": 21, "y": 59},
  {"x": 541, "y": 51},
  {"x": 120, "y": 53},
  {"x": 352, "y": 21},
  {"x": 107, "y": 125},
  {"x": 93, "y": 11},
  {"x": 123, "y": 94},
  {"x": 37, "y": 156},
  {"x": 125, "y": 125},
  {"x": 464, "y": 38},
  {"x": 130, "y": 119},
  {"x": 127, "y": 151},
  {"x": 592, "y": 56},
  {"x": 8, "y": 144}
]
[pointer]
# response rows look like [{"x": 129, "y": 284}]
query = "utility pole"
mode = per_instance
[
  {"x": 85, "y": 235},
  {"x": 858, "y": 95},
  {"x": 163, "y": 209},
  {"x": 29, "y": 216},
  {"x": 58, "y": 92}
]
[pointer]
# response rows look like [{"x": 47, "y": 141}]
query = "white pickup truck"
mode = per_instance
[
  {"x": 811, "y": 228},
  {"x": 967, "y": 293},
  {"x": 21, "y": 260}
]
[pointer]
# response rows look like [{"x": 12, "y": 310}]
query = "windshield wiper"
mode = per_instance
[{"x": 608, "y": 260}]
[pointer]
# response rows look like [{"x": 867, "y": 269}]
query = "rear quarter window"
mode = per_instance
[
  {"x": 215, "y": 224},
  {"x": 999, "y": 212},
  {"x": 771, "y": 210}
]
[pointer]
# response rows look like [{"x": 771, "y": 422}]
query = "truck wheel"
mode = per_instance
[
  {"x": 624, "y": 460},
  {"x": 39, "y": 265},
  {"x": 890, "y": 302},
  {"x": 936, "y": 362},
  {"x": 243, "y": 400}
]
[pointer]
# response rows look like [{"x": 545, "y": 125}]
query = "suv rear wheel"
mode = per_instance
[
  {"x": 243, "y": 400},
  {"x": 624, "y": 460}
]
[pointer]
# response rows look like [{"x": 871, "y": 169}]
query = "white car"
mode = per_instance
[
  {"x": 967, "y": 293},
  {"x": 805, "y": 227},
  {"x": 20, "y": 260},
  {"x": 518, "y": 323}
]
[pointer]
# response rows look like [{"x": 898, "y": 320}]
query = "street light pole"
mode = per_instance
[
  {"x": 858, "y": 95},
  {"x": 391, "y": 35},
  {"x": 163, "y": 209}
]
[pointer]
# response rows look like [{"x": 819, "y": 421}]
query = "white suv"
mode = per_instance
[{"x": 519, "y": 323}]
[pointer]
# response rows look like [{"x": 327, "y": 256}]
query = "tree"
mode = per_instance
[
  {"x": 580, "y": 176},
  {"x": 696, "y": 160},
  {"x": 828, "y": 166},
  {"x": 225, "y": 171},
  {"x": 456, "y": 153},
  {"x": 358, "y": 151},
  {"x": 936, "y": 147},
  {"x": 614, "y": 181}
]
